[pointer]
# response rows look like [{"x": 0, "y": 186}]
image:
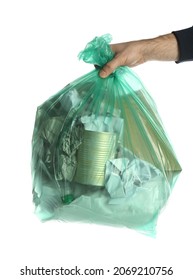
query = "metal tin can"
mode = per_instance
[{"x": 95, "y": 150}]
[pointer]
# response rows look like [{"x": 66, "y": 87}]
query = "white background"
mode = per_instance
[{"x": 39, "y": 44}]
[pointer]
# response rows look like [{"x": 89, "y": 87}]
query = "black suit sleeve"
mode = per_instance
[{"x": 185, "y": 43}]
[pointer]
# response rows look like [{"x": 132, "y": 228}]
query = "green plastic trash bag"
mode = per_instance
[{"x": 99, "y": 150}]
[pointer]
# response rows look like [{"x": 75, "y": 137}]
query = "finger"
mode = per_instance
[{"x": 109, "y": 68}]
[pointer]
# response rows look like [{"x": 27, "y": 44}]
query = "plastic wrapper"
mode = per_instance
[{"x": 99, "y": 150}]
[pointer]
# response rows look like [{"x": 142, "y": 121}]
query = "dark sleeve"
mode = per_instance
[{"x": 185, "y": 43}]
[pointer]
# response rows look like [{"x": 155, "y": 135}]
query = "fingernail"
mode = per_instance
[{"x": 102, "y": 74}]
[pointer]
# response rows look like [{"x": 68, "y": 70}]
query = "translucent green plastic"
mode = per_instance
[{"x": 99, "y": 150}]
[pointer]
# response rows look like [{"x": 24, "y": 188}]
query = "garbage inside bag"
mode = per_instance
[{"x": 100, "y": 153}]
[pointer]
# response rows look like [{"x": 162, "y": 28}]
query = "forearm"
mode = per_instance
[{"x": 161, "y": 48}]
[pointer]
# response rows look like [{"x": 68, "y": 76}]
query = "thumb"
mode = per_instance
[{"x": 109, "y": 68}]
